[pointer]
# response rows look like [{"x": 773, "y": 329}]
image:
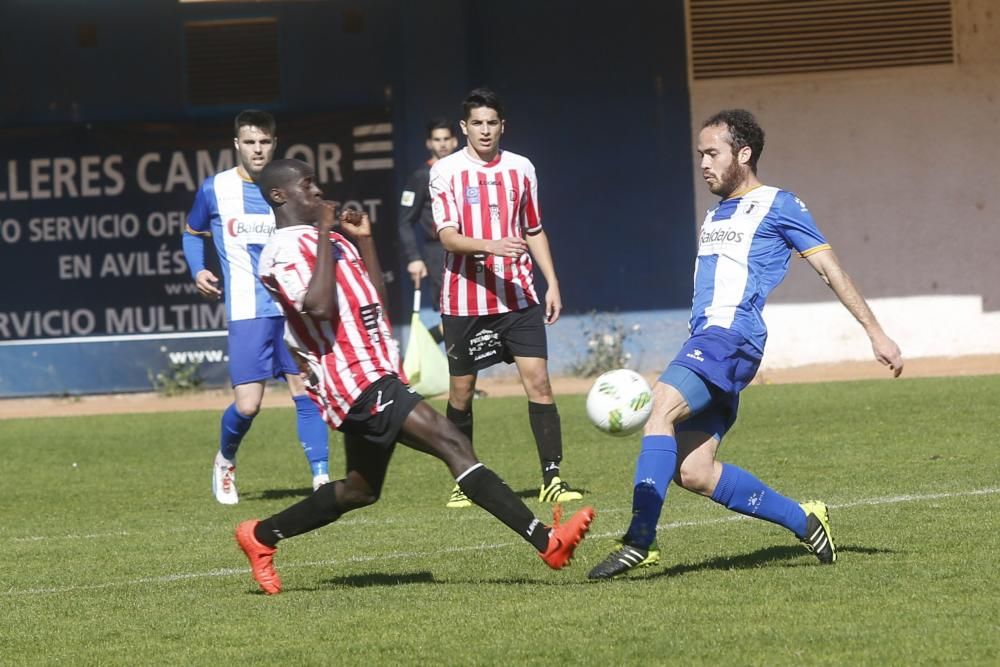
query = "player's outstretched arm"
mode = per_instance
[
  {"x": 320, "y": 299},
  {"x": 884, "y": 348}
]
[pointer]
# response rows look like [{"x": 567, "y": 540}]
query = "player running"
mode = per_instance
[
  {"x": 330, "y": 292},
  {"x": 746, "y": 243},
  {"x": 230, "y": 209}
]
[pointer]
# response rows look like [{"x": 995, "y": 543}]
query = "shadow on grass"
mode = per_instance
[
  {"x": 278, "y": 494},
  {"x": 757, "y": 559},
  {"x": 372, "y": 579}
]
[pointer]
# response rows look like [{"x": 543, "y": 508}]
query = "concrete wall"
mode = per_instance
[{"x": 898, "y": 167}]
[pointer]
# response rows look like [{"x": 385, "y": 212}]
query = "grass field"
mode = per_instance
[{"x": 117, "y": 553}]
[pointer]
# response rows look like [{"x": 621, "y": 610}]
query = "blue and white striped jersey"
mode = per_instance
[
  {"x": 240, "y": 221},
  {"x": 743, "y": 254}
]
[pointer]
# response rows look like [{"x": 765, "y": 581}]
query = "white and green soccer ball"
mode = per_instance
[{"x": 620, "y": 401}]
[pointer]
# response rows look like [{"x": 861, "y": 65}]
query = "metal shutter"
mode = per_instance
[
  {"x": 738, "y": 38},
  {"x": 232, "y": 61}
]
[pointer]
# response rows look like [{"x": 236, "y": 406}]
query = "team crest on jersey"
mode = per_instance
[
  {"x": 472, "y": 194},
  {"x": 408, "y": 198}
]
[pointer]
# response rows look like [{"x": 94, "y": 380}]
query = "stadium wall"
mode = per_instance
[
  {"x": 597, "y": 96},
  {"x": 898, "y": 168}
]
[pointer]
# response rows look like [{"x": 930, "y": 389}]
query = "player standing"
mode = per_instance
[
  {"x": 230, "y": 208},
  {"x": 746, "y": 243},
  {"x": 329, "y": 290},
  {"x": 485, "y": 204}
]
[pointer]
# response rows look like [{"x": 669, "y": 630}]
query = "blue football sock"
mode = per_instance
[
  {"x": 313, "y": 434},
  {"x": 742, "y": 492},
  {"x": 234, "y": 427},
  {"x": 653, "y": 471}
]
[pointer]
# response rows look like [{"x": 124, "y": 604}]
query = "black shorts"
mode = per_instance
[
  {"x": 379, "y": 413},
  {"x": 479, "y": 341}
]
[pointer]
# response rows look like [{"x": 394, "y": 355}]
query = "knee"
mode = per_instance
[
  {"x": 355, "y": 493},
  {"x": 696, "y": 477},
  {"x": 460, "y": 395},
  {"x": 539, "y": 389},
  {"x": 247, "y": 407},
  {"x": 454, "y": 446}
]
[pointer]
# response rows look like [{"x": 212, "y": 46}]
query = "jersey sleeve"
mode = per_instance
[
  {"x": 531, "y": 213},
  {"x": 198, "y": 228},
  {"x": 199, "y": 220},
  {"x": 410, "y": 205},
  {"x": 797, "y": 227},
  {"x": 443, "y": 202},
  {"x": 286, "y": 274}
]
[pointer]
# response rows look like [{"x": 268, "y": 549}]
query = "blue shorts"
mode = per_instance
[
  {"x": 710, "y": 371},
  {"x": 257, "y": 351}
]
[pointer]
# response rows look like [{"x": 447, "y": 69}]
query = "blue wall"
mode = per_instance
[{"x": 596, "y": 95}]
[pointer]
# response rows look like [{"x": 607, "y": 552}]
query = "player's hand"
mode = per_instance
[
  {"x": 208, "y": 285},
  {"x": 417, "y": 270},
  {"x": 327, "y": 216},
  {"x": 888, "y": 354},
  {"x": 553, "y": 304},
  {"x": 509, "y": 246},
  {"x": 355, "y": 223}
]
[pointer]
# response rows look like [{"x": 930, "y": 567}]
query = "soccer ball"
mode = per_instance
[{"x": 619, "y": 403}]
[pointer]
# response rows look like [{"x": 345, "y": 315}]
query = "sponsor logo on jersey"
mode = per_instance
[
  {"x": 235, "y": 227},
  {"x": 472, "y": 194},
  {"x": 722, "y": 235}
]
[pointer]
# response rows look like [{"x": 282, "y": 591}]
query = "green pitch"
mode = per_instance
[{"x": 116, "y": 553}]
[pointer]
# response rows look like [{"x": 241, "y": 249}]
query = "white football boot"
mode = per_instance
[{"x": 224, "y": 480}]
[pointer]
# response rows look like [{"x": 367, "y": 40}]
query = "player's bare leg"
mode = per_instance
[
  {"x": 654, "y": 468},
  {"x": 362, "y": 486},
  {"x": 543, "y": 415},
  {"x": 739, "y": 490},
  {"x": 428, "y": 431}
]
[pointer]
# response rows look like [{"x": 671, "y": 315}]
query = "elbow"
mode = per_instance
[{"x": 320, "y": 310}]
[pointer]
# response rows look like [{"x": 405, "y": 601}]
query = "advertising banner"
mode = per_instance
[{"x": 98, "y": 297}]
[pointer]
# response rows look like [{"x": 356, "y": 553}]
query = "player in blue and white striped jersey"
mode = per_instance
[
  {"x": 744, "y": 250},
  {"x": 230, "y": 208}
]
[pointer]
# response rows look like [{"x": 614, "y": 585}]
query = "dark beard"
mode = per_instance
[{"x": 731, "y": 180}]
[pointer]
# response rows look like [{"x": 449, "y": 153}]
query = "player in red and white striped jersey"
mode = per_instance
[
  {"x": 335, "y": 328},
  {"x": 485, "y": 204},
  {"x": 341, "y": 360}
]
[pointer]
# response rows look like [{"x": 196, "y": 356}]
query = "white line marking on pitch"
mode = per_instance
[{"x": 230, "y": 572}]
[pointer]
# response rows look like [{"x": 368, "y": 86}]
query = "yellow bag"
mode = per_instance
[{"x": 424, "y": 363}]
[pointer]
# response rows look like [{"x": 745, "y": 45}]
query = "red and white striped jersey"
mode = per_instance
[
  {"x": 341, "y": 356},
  {"x": 486, "y": 200}
]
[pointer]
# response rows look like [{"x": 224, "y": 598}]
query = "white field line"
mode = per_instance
[{"x": 229, "y": 572}]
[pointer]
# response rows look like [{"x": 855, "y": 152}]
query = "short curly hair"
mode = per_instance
[{"x": 743, "y": 131}]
